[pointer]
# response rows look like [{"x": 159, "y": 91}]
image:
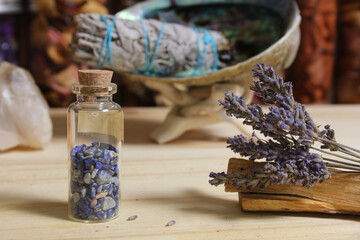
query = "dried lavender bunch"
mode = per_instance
[{"x": 291, "y": 134}]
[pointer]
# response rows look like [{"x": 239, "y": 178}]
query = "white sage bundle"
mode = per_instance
[{"x": 146, "y": 46}]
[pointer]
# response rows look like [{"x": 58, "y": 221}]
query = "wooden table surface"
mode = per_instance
[{"x": 159, "y": 183}]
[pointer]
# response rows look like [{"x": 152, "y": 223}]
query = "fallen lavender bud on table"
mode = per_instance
[
  {"x": 291, "y": 134},
  {"x": 172, "y": 222},
  {"x": 132, "y": 218}
]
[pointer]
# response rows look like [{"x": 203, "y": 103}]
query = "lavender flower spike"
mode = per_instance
[{"x": 218, "y": 178}]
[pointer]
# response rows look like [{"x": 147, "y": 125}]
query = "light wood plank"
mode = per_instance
[{"x": 159, "y": 183}]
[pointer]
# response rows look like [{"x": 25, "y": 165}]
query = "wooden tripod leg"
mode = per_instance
[{"x": 175, "y": 125}]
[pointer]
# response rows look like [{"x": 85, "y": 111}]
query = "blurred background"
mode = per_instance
[{"x": 35, "y": 34}]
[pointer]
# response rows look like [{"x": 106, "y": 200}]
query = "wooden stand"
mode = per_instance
[
  {"x": 339, "y": 194},
  {"x": 194, "y": 109}
]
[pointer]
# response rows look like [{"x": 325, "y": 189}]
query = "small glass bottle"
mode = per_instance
[{"x": 95, "y": 136}]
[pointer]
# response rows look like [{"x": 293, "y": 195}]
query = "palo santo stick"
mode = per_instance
[
  {"x": 254, "y": 202},
  {"x": 339, "y": 194}
]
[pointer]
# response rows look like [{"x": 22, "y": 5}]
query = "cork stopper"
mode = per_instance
[{"x": 95, "y": 77}]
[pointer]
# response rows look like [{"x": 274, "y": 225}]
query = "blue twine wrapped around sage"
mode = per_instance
[
  {"x": 208, "y": 38},
  {"x": 149, "y": 63},
  {"x": 107, "y": 43}
]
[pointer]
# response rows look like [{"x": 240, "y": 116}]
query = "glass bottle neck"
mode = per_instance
[{"x": 92, "y": 98}]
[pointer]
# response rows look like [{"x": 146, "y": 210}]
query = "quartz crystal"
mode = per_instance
[{"x": 24, "y": 113}]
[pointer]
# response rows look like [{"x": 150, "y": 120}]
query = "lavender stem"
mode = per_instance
[
  {"x": 342, "y": 166},
  {"x": 348, "y": 152},
  {"x": 340, "y": 162},
  {"x": 334, "y": 154},
  {"x": 338, "y": 144},
  {"x": 340, "y": 150}
]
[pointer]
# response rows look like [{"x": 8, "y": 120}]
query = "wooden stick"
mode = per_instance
[
  {"x": 339, "y": 194},
  {"x": 286, "y": 203}
]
